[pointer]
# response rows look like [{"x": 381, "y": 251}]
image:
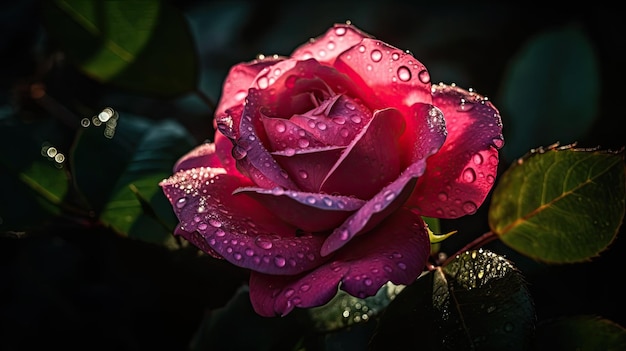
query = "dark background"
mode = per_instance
[{"x": 87, "y": 289}]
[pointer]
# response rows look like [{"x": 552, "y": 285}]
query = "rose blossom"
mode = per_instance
[{"x": 324, "y": 163}]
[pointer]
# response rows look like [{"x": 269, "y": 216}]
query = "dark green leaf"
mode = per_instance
[
  {"x": 237, "y": 327},
  {"x": 560, "y": 205},
  {"x": 140, "y": 45},
  {"x": 551, "y": 92},
  {"x": 580, "y": 333},
  {"x": 119, "y": 176},
  {"x": 477, "y": 302}
]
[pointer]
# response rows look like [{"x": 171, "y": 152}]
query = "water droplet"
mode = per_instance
[
  {"x": 344, "y": 132},
  {"x": 478, "y": 159},
  {"x": 263, "y": 82},
  {"x": 215, "y": 223},
  {"x": 401, "y": 265},
  {"x": 424, "y": 76},
  {"x": 280, "y": 261},
  {"x": 321, "y": 126},
  {"x": 368, "y": 282},
  {"x": 280, "y": 127},
  {"x": 355, "y": 119},
  {"x": 469, "y": 175},
  {"x": 220, "y": 233},
  {"x": 395, "y": 56},
  {"x": 340, "y": 31},
  {"x": 263, "y": 243},
  {"x": 289, "y": 292},
  {"x": 303, "y": 174},
  {"x": 241, "y": 94},
  {"x": 490, "y": 179},
  {"x": 202, "y": 226},
  {"x": 311, "y": 199},
  {"x": 344, "y": 234},
  {"x": 239, "y": 153},
  {"x": 237, "y": 256},
  {"x": 389, "y": 195},
  {"x": 361, "y": 49},
  {"x": 350, "y": 106},
  {"x": 249, "y": 252},
  {"x": 442, "y": 196},
  {"x": 331, "y": 45},
  {"x": 404, "y": 74},
  {"x": 303, "y": 143},
  {"x": 469, "y": 207},
  {"x": 376, "y": 55},
  {"x": 339, "y": 120},
  {"x": 498, "y": 142},
  {"x": 305, "y": 287},
  {"x": 322, "y": 53},
  {"x": 181, "y": 202}
]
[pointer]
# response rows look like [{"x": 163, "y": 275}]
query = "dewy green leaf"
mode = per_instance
[
  {"x": 478, "y": 301},
  {"x": 112, "y": 173},
  {"x": 143, "y": 46},
  {"x": 560, "y": 205},
  {"x": 580, "y": 333},
  {"x": 551, "y": 91}
]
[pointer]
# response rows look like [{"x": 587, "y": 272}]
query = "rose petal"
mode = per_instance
[
  {"x": 461, "y": 174},
  {"x": 224, "y": 151},
  {"x": 425, "y": 136},
  {"x": 282, "y": 134},
  {"x": 252, "y": 157},
  {"x": 308, "y": 167},
  {"x": 340, "y": 125},
  {"x": 237, "y": 227},
  {"x": 203, "y": 155},
  {"x": 325, "y": 48},
  {"x": 373, "y": 153},
  {"x": 395, "y": 251},
  {"x": 310, "y": 212},
  {"x": 390, "y": 76},
  {"x": 238, "y": 80}
]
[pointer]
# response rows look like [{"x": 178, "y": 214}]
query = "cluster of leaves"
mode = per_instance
[{"x": 76, "y": 167}]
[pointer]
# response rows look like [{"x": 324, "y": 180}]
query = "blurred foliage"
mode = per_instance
[{"x": 99, "y": 98}]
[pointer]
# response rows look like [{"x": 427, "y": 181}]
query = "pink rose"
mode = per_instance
[{"x": 324, "y": 163}]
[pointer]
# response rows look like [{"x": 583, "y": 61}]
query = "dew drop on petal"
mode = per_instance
[
  {"x": 311, "y": 199},
  {"x": 241, "y": 94},
  {"x": 202, "y": 226},
  {"x": 280, "y": 127},
  {"x": 490, "y": 179},
  {"x": 424, "y": 76},
  {"x": 289, "y": 292},
  {"x": 215, "y": 223},
  {"x": 478, "y": 159},
  {"x": 263, "y": 243},
  {"x": 305, "y": 287},
  {"x": 361, "y": 49},
  {"x": 220, "y": 233},
  {"x": 395, "y": 56},
  {"x": 331, "y": 45},
  {"x": 303, "y": 174},
  {"x": 350, "y": 106},
  {"x": 344, "y": 234},
  {"x": 181, "y": 202},
  {"x": 368, "y": 282},
  {"x": 280, "y": 261},
  {"x": 404, "y": 74},
  {"x": 469, "y": 207},
  {"x": 263, "y": 82},
  {"x": 303, "y": 143},
  {"x": 239, "y": 153},
  {"x": 340, "y": 31},
  {"x": 469, "y": 175},
  {"x": 442, "y": 196},
  {"x": 376, "y": 55}
]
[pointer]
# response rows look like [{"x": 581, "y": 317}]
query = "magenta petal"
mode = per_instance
[
  {"x": 373, "y": 153},
  {"x": 326, "y": 47},
  {"x": 201, "y": 156},
  {"x": 238, "y": 80},
  {"x": 310, "y": 166},
  {"x": 462, "y": 173},
  {"x": 310, "y": 212},
  {"x": 392, "y": 77},
  {"x": 285, "y": 135},
  {"x": 251, "y": 155},
  {"x": 224, "y": 151},
  {"x": 395, "y": 251},
  {"x": 237, "y": 227},
  {"x": 376, "y": 209}
]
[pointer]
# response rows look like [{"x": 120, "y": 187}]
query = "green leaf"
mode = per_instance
[
  {"x": 580, "y": 333},
  {"x": 551, "y": 91},
  {"x": 140, "y": 45},
  {"x": 345, "y": 310},
  {"x": 119, "y": 176},
  {"x": 222, "y": 328},
  {"x": 479, "y": 301},
  {"x": 560, "y": 205}
]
